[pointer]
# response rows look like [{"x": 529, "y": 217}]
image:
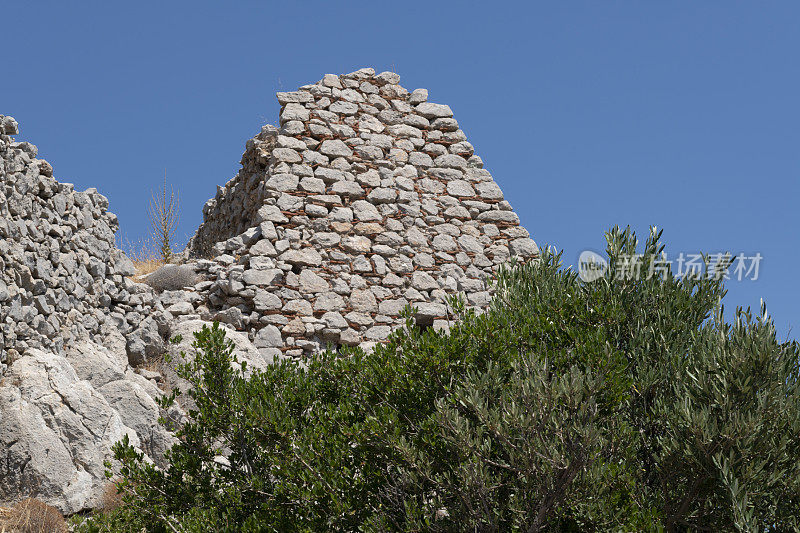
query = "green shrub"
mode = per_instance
[{"x": 623, "y": 404}]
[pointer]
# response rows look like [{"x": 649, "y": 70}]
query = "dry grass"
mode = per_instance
[
  {"x": 146, "y": 267},
  {"x": 111, "y": 498},
  {"x": 32, "y": 516},
  {"x": 145, "y": 257}
]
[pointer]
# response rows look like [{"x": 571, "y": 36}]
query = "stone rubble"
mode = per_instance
[{"x": 62, "y": 279}]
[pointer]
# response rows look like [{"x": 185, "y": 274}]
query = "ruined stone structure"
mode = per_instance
[{"x": 366, "y": 199}]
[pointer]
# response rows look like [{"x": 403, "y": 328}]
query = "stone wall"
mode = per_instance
[
  {"x": 366, "y": 199},
  {"x": 234, "y": 208},
  {"x": 61, "y": 276}
]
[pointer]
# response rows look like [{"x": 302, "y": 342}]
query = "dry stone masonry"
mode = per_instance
[
  {"x": 366, "y": 199},
  {"x": 60, "y": 272}
]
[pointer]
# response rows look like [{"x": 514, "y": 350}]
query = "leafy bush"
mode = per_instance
[{"x": 623, "y": 404}]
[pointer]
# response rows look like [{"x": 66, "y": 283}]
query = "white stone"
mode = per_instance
[
  {"x": 347, "y": 188},
  {"x": 298, "y": 307},
  {"x": 509, "y": 217},
  {"x": 311, "y": 282},
  {"x": 418, "y": 96},
  {"x": 334, "y": 320},
  {"x": 430, "y": 110},
  {"x": 378, "y": 333},
  {"x": 305, "y": 257},
  {"x": 356, "y": 244},
  {"x": 423, "y": 281},
  {"x": 263, "y": 248},
  {"x": 524, "y": 248},
  {"x": 331, "y": 80},
  {"x": 335, "y": 148},
  {"x": 180, "y": 308},
  {"x": 450, "y": 161},
  {"x": 283, "y": 182},
  {"x": 366, "y": 211},
  {"x": 351, "y": 95},
  {"x": 285, "y": 141},
  {"x": 363, "y": 301},
  {"x": 326, "y": 239},
  {"x": 370, "y": 123},
  {"x": 489, "y": 190},
  {"x": 444, "y": 243},
  {"x": 313, "y": 185},
  {"x": 329, "y": 301},
  {"x": 301, "y": 97},
  {"x": 382, "y": 195},
  {"x": 392, "y": 307},
  {"x": 270, "y": 213},
  {"x": 460, "y": 188},
  {"x": 261, "y": 278},
  {"x": 344, "y": 108},
  {"x": 294, "y": 111},
  {"x": 470, "y": 244},
  {"x": 268, "y": 337},
  {"x": 387, "y": 77}
]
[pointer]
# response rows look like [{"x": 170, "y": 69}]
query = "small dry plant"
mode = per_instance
[
  {"x": 163, "y": 213},
  {"x": 32, "y": 516}
]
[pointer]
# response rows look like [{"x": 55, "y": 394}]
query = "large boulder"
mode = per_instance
[{"x": 56, "y": 431}]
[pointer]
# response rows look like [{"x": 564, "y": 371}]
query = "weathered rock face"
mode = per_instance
[
  {"x": 366, "y": 199},
  {"x": 59, "y": 417}
]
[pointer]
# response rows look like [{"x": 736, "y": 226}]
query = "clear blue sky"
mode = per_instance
[{"x": 588, "y": 114}]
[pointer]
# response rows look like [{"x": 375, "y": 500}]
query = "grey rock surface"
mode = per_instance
[
  {"x": 57, "y": 430},
  {"x": 145, "y": 343}
]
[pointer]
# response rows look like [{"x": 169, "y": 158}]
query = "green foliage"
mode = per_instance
[{"x": 625, "y": 404}]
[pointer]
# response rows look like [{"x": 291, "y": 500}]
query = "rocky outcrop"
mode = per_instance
[{"x": 56, "y": 430}]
